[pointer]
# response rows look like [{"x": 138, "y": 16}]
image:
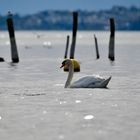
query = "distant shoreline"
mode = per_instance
[{"x": 126, "y": 19}]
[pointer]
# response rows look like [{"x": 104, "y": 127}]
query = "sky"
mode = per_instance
[{"x": 24, "y": 7}]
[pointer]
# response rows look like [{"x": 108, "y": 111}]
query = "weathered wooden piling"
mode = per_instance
[
  {"x": 74, "y": 33},
  {"x": 14, "y": 51},
  {"x": 2, "y": 59},
  {"x": 96, "y": 47},
  {"x": 111, "y": 54},
  {"x": 67, "y": 47}
]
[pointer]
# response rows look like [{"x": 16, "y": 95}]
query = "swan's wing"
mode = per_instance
[{"x": 87, "y": 82}]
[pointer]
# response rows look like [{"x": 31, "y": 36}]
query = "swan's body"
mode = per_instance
[
  {"x": 84, "y": 82},
  {"x": 90, "y": 82}
]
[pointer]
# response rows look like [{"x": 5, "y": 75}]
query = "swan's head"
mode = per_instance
[{"x": 66, "y": 62}]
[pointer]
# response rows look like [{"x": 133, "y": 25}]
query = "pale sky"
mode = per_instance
[{"x": 34, "y": 6}]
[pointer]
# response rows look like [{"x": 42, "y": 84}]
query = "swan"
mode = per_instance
[{"x": 84, "y": 82}]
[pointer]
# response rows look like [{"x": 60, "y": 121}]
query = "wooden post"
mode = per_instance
[
  {"x": 2, "y": 59},
  {"x": 74, "y": 32},
  {"x": 14, "y": 52},
  {"x": 96, "y": 47},
  {"x": 112, "y": 40},
  {"x": 67, "y": 46}
]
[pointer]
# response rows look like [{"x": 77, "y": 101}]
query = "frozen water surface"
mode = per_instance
[{"x": 35, "y": 106}]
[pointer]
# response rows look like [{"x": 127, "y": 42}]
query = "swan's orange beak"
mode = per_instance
[{"x": 62, "y": 66}]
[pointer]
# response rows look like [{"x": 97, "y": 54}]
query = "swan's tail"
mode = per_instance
[{"x": 105, "y": 82}]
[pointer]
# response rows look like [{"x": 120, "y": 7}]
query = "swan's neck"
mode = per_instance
[{"x": 70, "y": 75}]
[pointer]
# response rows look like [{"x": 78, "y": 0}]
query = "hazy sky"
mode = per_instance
[{"x": 33, "y": 6}]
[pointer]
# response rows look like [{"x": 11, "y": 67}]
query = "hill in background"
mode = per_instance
[{"x": 125, "y": 19}]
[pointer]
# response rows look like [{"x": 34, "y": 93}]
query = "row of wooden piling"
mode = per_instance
[{"x": 111, "y": 53}]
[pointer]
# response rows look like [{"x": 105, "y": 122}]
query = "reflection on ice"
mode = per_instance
[
  {"x": 77, "y": 101},
  {"x": 61, "y": 137},
  {"x": 88, "y": 117},
  {"x": 114, "y": 105},
  {"x": 61, "y": 85},
  {"x": 7, "y": 43},
  {"x": 68, "y": 114},
  {"x": 44, "y": 112},
  {"x": 47, "y": 44},
  {"x": 62, "y": 102}
]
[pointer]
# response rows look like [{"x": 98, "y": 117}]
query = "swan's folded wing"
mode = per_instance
[{"x": 86, "y": 82}]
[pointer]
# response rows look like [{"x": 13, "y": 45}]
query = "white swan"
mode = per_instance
[{"x": 84, "y": 82}]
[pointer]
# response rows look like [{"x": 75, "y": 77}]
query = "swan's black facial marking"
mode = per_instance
[{"x": 63, "y": 63}]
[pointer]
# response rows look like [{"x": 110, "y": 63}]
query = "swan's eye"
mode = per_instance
[{"x": 64, "y": 62}]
